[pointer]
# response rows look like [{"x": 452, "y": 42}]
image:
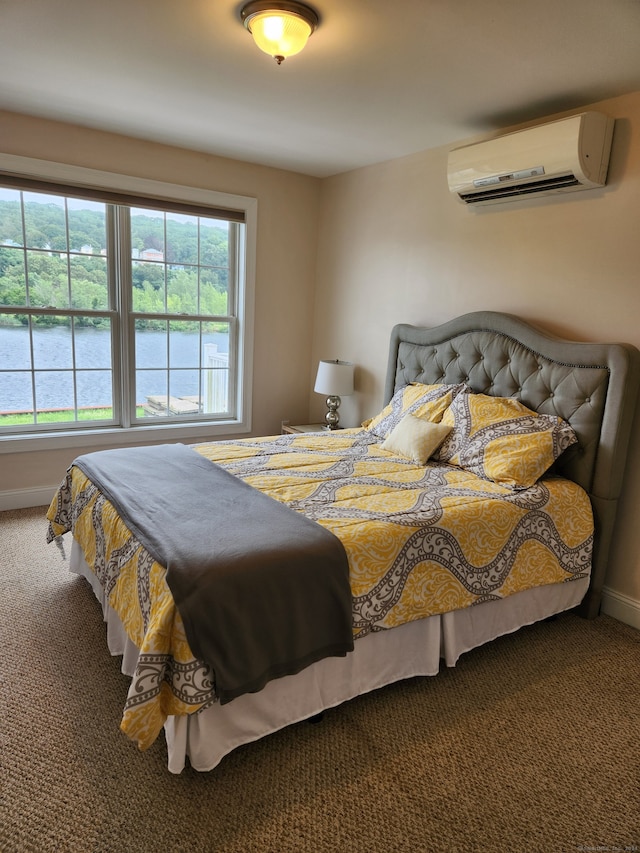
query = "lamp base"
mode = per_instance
[{"x": 332, "y": 418}]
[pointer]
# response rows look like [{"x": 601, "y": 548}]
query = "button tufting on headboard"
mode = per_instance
[
  {"x": 592, "y": 386},
  {"x": 497, "y": 363}
]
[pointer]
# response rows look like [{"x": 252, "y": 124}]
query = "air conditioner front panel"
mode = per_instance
[{"x": 576, "y": 148}]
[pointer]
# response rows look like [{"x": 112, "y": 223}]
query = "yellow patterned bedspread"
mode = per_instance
[{"x": 420, "y": 541}]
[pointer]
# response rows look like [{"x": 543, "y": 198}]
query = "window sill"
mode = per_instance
[{"x": 205, "y": 430}]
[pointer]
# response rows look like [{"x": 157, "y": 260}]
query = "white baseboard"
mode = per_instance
[
  {"x": 621, "y": 607},
  {"x": 24, "y": 498}
]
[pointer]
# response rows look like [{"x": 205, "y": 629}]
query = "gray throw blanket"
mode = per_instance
[{"x": 263, "y": 591}]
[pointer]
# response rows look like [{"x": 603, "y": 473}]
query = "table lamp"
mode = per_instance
[{"x": 334, "y": 379}]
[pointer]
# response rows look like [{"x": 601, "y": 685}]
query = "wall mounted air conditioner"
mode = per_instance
[{"x": 558, "y": 157}]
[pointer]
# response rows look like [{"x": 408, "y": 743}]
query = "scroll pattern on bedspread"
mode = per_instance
[{"x": 420, "y": 541}]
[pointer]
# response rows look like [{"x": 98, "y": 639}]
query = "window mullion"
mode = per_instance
[
  {"x": 125, "y": 344},
  {"x": 72, "y": 322}
]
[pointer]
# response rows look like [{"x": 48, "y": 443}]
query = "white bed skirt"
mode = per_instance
[{"x": 378, "y": 659}]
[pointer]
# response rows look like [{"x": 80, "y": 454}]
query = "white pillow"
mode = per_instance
[{"x": 415, "y": 438}]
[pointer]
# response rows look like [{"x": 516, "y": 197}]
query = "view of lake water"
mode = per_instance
[{"x": 52, "y": 350}]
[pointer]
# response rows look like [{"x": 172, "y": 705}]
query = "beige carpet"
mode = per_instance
[{"x": 531, "y": 743}]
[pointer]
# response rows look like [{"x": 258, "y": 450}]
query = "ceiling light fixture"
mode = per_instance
[{"x": 279, "y": 29}]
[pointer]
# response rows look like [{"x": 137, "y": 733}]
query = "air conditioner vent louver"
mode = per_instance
[
  {"x": 561, "y": 156},
  {"x": 521, "y": 189}
]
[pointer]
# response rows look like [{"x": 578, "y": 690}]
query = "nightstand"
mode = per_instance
[{"x": 293, "y": 428}]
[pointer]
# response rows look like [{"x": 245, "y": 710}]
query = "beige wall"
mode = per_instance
[
  {"x": 394, "y": 246},
  {"x": 288, "y": 206}
]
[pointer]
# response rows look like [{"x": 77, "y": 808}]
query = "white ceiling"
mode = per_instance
[{"x": 377, "y": 79}]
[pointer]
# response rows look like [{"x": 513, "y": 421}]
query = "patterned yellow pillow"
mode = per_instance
[
  {"x": 502, "y": 440},
  {"x": 424, "y": 401}
]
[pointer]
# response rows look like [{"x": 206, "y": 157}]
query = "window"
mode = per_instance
[{"x": 120, "y": 312}]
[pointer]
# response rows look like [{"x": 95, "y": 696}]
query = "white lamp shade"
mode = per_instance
[{"x": 334, "y": 378}]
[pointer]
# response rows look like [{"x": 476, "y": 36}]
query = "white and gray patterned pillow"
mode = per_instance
[
  {"x": 422, "y": 401},
  {"x": 500, "y": 439}
]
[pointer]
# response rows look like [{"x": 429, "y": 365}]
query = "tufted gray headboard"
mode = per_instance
[{"x": 592, "y": 386}]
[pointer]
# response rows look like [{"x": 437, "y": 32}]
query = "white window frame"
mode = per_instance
[{"x": 106, "y": 436}]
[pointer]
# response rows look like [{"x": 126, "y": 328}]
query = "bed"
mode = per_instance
[{"x": 507, "y": 520}]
